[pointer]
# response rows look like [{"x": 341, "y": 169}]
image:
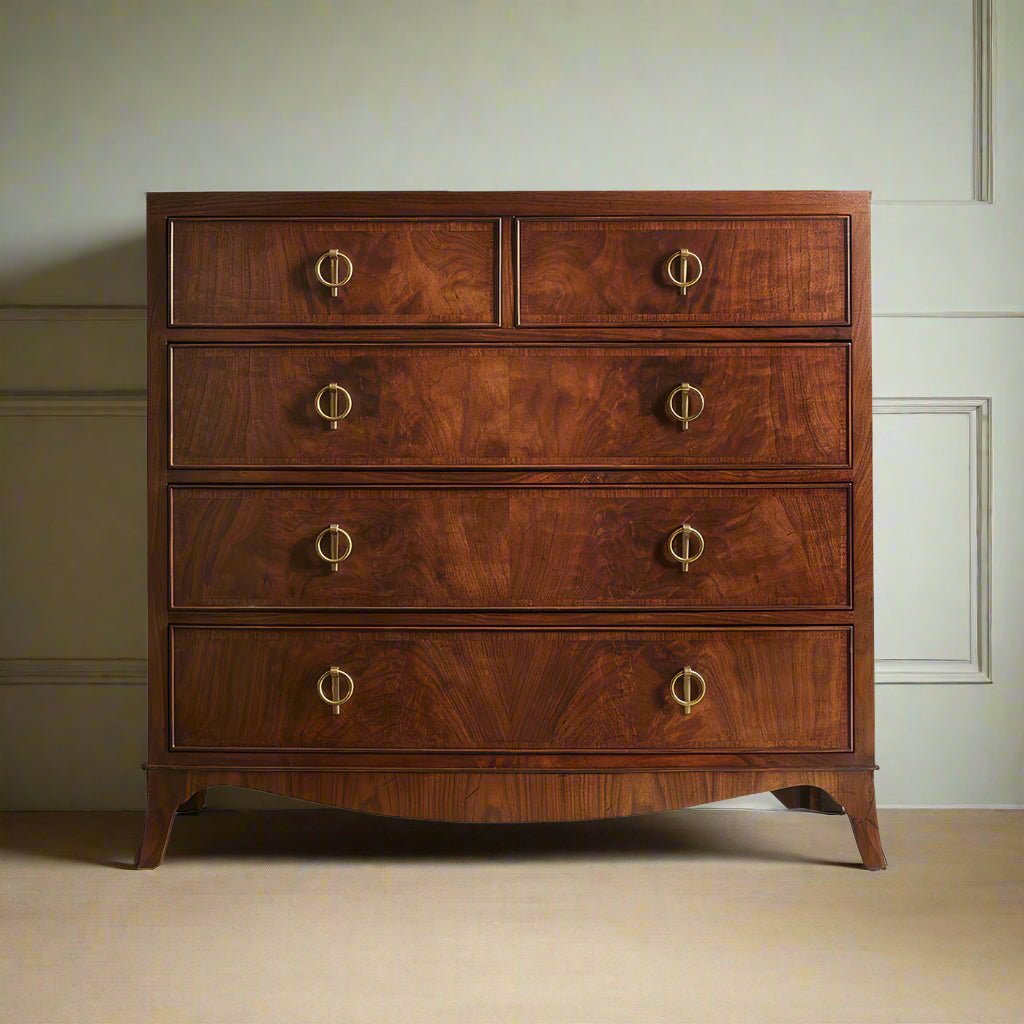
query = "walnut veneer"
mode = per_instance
[{"x": 511, "y": 506}]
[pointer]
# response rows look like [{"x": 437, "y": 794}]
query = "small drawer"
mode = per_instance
[
  {"x": 433, "y": 406},
  {"x": 630, "y": 273},
  {"x": 511, "y": 547},
  {"x": 369, "y": 273},
  {"x": 782, "y": 689}
]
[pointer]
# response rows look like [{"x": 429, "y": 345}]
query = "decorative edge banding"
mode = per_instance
[{"x": 137, "y": 314}]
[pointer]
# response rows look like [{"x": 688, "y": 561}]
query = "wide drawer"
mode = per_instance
[
  {"x": 509, "y": 689},
  {"x": 278, "y": 272},
  {"x": 510, "y": 547},
  {"x": 729, "y": 405},
  {"x": 608, "y": 272}
]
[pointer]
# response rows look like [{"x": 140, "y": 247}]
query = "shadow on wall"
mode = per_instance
[
  {"x": 112, "y": 275},
  {"x": 66, "y": 739}
]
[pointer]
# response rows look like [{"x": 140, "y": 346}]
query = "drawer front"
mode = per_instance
[
  {"x": 728, "y": 405},
  {"x": 618, "y": 272},
  {"x": 747, "y": 547},
  {"x": 397, "y": 272},
  {"x": 755, "y": 689}
]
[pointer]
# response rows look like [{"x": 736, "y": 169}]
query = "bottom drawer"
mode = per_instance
[{"x": 511, "y": 689}]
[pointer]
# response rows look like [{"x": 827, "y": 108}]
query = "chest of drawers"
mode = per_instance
[{"x": 510, "y": 506}]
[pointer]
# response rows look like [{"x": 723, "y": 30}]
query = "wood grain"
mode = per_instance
[
  {"x": 518, "y": 796},
  {"x": 511, "y": 690},
  {"x": 510, "y": 548},
  {"x": 253, "y": 406},
  {"x": 607, "y": 272},
  {"x": 564, "y": 203},
  {"x": 765, "y": 405},
  {"x": 508, "y": 333},
  {"x": 165, "y": 793},
  {"x": 405, "y": 272},
  {"x": 856, "y": 793},
  {"x": 730, "y": 331}
]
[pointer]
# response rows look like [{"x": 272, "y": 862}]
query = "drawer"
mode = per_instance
[
  {"x": 510, "y": 547},
  {"x": 390, "y": 272},
  {"x": 509, "y": 689},
  {"x": 767, "y": 405},
  {"x": 624, "y": 272}
]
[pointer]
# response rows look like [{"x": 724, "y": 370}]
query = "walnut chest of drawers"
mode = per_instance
[{"x": 508, "y": 507}]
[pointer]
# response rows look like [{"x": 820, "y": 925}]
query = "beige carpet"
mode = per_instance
[{"x": 701, "y": 916}]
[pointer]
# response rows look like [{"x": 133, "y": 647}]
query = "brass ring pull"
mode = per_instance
[
  {"x": 684, "y": 281},
  {"x": 686, "y": 556},
  {"x": 333, "y": 414},
  {"x": 688, "y": 701},
  {"x": 334, "y": 555},
  {"x": 334, "y": 282},
  {"x": 335, "y": 675},
  {"x": 684, "y": 415}
]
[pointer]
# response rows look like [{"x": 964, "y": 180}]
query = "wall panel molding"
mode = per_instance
[
  {"x": 981, "y": 126},
  {"x": 72, "y": 314},
  {"x": 73, "y": 672},
  {"x": 983, "y": 68},
  {"x": 73, "y": 403},
  {"x": 977, "y": 668},
  {"x": 986, "y": 314}
]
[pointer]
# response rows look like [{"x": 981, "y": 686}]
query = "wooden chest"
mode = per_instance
[{"x": 511, "y": 506}]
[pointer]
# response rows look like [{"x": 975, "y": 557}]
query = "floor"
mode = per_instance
[{"x": 702, "y": 915}]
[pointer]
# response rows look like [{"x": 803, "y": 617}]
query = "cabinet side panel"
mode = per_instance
[
  {"x": 156, "y": 483},
  {"x": 863, "y": 538}
]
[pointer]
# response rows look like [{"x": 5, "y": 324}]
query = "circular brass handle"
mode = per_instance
[
  {"x": 688, "y": 701},
  {"x": 334, "y": 532},
  {"x": 686, "y": 556},
  {"x": 334, "y": 282},
  {"x": 684, "y": 414},
  {"x": 333, "y": 414},
  {"x": 335, "y": 675},
  {"x": 684, "y": 281}
]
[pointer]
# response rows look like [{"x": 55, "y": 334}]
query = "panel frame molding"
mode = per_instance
[
  {"x": 105, "y": 403},
  {"x": 978, "y": 667},
  {"x": 72, "y": 314},
  {"x": 73, "y": 672},
  {"x": 137, "y": 314},
  {"x": 984, "y": 60},
  {"x": 982, "y": 16}
]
